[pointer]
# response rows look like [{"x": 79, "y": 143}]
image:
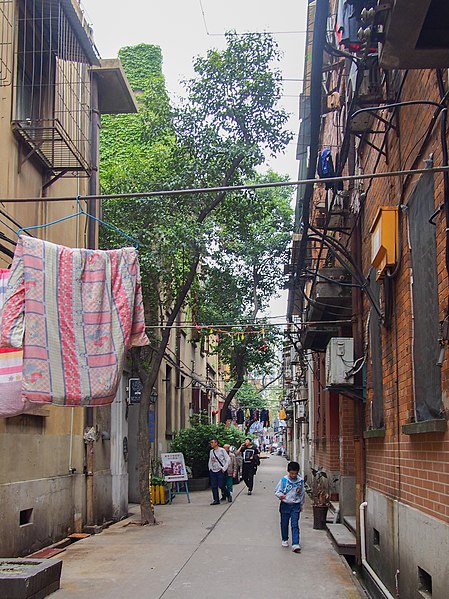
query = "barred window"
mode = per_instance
[{"x": 51, "y": 113}]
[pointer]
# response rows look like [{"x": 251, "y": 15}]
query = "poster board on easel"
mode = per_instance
[{"x": 173, "y": 467}]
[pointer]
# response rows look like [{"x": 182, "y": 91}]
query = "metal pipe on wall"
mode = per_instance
[
  {"x": 365, "y": 563},
  {"x": 92, "y": 244}
]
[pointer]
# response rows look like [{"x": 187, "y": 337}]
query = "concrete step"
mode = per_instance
[
  {"x": 350, "y": 522},
  {"x": 342, "y": 538}
]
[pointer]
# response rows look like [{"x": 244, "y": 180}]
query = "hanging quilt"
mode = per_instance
[
  {"x": 76, "y": 312},
  {"x": 11, "y": 402}
]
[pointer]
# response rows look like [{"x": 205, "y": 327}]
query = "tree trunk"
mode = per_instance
[
  {"x": 240, "y": 368},
  {"x": 149, "y": 380}
]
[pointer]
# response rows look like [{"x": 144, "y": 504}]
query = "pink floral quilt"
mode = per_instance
[{"x": 75, "y": 312}]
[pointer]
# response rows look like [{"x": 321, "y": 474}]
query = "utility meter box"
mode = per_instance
[
  {"x": 384, "y": 239},
  {"x": 339, "y": 361}
]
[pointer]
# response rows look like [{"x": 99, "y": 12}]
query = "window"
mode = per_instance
[
  {"x": 425, "y": 583},
  {"x": 421, "y": 205},
  {"x": 182, "y": 404},
  {"x": 26, "y": 517},
  {"x": 168, "y": 402},
  {"x": 375, "y": 338},
  {"x": 52, "y": 87}
]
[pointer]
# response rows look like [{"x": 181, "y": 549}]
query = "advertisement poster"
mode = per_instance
[{"x": 173, "y": 467}]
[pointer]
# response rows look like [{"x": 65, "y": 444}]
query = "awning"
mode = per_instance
[{"x": 115, "y": 95}]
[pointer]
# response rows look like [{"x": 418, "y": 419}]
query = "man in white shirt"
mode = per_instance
[{"x": 219, "y": 462}]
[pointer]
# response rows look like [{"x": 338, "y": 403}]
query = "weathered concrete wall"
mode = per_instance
[
  {"x": 46, "y": 498},
  {"x": 408, "y": 540},
  {"x": 347, "y": 496},
  {"x": 102, "y": 496}
]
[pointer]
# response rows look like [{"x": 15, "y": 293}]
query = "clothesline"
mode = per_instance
[{"x": 230, "y": 188}]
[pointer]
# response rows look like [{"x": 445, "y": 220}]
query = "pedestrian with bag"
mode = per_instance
[
  {"x": 251, "y": 461},
  {"x": 219, "y": 462},
  {"x": 231, "y": 472},
  {"x": 290, "y": 490}
]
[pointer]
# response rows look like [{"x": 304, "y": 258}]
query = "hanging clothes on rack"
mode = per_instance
[
  {"x": 240, "y": 417},
  {"x": 76, "y": 312}
]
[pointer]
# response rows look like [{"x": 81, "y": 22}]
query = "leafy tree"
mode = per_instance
[
  {"x": 241, "y": 276},
  {"x": 215, "y": 138},
  {"x": 249, "y": 396}
]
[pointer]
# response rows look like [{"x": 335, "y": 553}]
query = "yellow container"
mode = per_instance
[{"x": 158, "y": 494}]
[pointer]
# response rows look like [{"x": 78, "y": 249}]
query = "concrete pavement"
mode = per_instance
[{"x": 199, "y": 551}]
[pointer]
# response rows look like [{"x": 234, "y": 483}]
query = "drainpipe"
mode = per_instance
[
  {"x": 92, "y": 244},
  {"x": 365, "y": 563},
  {"x": 303, "y": 447},
  {"x": 295, "y": 429},
  {"x": 359, "y": 415},
  {"x": 94, "y": 185}
]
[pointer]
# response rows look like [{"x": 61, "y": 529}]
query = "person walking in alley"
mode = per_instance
[
  {"x": 251, "y": 460},
  {"x": 290, "y": 490},
  {"x": 219, "y": 462},
  {"x": 231, "y": 472}
]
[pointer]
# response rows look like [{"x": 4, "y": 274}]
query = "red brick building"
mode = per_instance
[{"x": 369, "y": 301}]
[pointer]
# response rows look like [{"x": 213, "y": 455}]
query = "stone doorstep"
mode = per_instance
[
  {"x": 47, "y": 553},
  {"x": 351, "y": 523},
  {"x": 27, "y": 578},
  {"x": 58, "y": 547},
  {"x": 342, "y": 538}
]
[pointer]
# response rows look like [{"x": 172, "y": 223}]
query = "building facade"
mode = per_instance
[
  {"x": 53, "y": 88},
  {"x": 369, "y": 283}
]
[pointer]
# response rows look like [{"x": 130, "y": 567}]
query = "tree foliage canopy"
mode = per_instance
[{"x": 215, "y": 137}]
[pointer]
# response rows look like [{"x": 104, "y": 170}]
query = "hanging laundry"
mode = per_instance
[
  {"x": 240, "y": 416},
  {"x": 325, "y": 168},
  {"x": 11, "y": 402},
  {"x": 349, "y": 21},
  {"x": 282, "y": 414},
  {"x": 76, "y": 312},
  {"x": 263, "y": 417}
]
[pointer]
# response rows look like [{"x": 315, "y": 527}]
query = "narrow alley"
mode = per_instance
[{"x": 198, "y": 550}]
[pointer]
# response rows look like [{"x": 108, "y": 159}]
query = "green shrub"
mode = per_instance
[{"x": 194, "y": 444}]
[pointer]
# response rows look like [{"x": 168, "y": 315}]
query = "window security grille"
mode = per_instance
[
  {"x": 51, "y": 107},
  {"x": 6, "y": 41}
]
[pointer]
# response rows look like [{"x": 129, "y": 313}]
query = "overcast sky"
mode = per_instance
[{"x": 188, "y": 28}]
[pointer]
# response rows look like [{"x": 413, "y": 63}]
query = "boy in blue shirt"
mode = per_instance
[{"x": 290, "y": 490}]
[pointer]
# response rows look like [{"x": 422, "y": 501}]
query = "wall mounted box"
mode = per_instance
[
  {"x": 384, "y": 239},
  {"x": 339, "y": 361}
]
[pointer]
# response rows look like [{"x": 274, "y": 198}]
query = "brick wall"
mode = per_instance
[{"x": 412, "y": 468}]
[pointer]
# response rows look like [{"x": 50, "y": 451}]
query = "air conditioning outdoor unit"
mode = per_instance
[
  {"x": 301, "y": 411},
  {"x": 339, "y": 361}
]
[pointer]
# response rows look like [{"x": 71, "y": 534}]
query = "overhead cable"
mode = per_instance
[{"x": 229, "y": 188}]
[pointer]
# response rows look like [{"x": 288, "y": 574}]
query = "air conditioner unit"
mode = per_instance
[
  {"x": 339, "y": 361},
  {"x": 301, "y": 394},
  {"x": 301, "y": 411},
  {"x": 416, "y": 35}
]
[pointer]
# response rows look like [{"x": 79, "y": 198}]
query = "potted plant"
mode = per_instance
[
  {"x": 159, "y": 490},
  {"x": 320, "y": 497},
  {"x": 158, "y": 486}
]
